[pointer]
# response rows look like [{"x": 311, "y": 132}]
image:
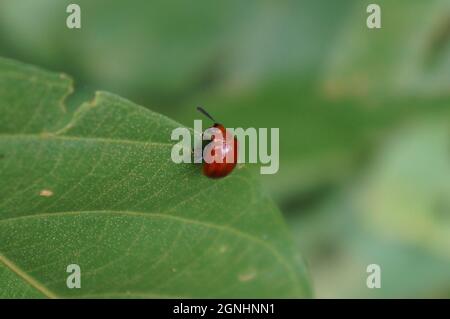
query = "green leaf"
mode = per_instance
[{"x": 97, "y": 187}]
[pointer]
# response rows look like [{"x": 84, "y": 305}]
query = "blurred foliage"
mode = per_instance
[
  {"x": 409, "y": 56},
  {"x": 395, "y": 214},
  {"x": 353, "y": 187}
]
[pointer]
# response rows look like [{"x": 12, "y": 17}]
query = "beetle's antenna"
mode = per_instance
[{"x": 202, "y": 110}]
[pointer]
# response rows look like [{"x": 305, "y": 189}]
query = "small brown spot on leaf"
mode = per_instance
[
  {"x": 247, "y": 276},
  {"x": 46, "y": 193}
]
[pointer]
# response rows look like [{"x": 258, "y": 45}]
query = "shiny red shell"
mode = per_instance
[{"x": 222, "y": 147}]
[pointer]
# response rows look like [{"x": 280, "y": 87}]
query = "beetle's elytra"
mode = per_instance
[{"x": 224, "y": 147}]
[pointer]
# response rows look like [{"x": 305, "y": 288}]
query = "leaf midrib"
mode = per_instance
[{"x": 27, "y": 278}]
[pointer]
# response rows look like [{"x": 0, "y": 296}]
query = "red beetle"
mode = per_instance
[{"x": 223, "y": 147}]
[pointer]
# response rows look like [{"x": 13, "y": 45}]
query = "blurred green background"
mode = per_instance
[{"x": 364, "y": 115}]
